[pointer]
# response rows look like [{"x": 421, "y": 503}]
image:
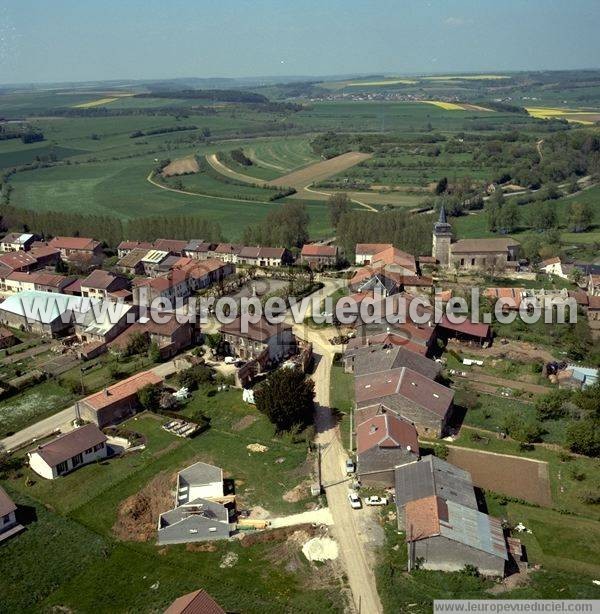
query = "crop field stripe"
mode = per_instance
[
  {"x": 218, "y": 166},
  {"x": 150, "y": 179},
  {"x": 94, "y": 103}
]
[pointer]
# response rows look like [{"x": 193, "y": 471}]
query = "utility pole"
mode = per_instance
[
  {"x": 319, "y": 467},
  {"x": 350, "y": 433}
]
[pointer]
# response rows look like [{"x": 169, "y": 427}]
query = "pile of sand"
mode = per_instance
[
  {"x": 256, "y": 447},
  {"x": 320, "y": 549}
]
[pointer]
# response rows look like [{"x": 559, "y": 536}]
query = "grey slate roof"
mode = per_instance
[
  {"x": 373, "y": 359},
  {"x": 201, "y": 473},
  {"x": 433, "y": 476}
]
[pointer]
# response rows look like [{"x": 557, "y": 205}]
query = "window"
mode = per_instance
[
  {"x": 462, "y": 262},
  {"x": 89, "y": 451},
  {"x": 77, "y": 460},
  {"x": 472, "y": 261},
  {"x": 98, "y": 447},
  {"x": 62, "y": 467}
]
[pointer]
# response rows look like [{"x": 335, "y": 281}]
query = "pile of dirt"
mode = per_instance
[
  {"x": 299, "y": 492},
  {"x": 197, "y": 547},
  {"x": 256, "y": 447},
  {"x": 137, "y": 516},
  {"x": 321, "y": 549}
]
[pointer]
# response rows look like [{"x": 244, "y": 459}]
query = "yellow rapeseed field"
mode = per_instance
[
  {"x": 384, "y": 82},
  {"x": 466, "y": 77},
  {"x": 448, "y": 106},
  {"x": 571, "y": 115}
]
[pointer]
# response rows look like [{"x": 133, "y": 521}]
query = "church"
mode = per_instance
[{"x": 494, "y": 255}]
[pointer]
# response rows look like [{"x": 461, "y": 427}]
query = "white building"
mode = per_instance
[
  {"x": 553, "y": 266},
  {"x": 62, "y": 455},
  {"x": 8, "y": 517}
]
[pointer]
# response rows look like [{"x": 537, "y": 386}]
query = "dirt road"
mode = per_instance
[
  {"x": 345, "y": 530},
  {"x": 484, "y": 378}
]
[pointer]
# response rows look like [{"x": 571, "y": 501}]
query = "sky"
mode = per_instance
[{"x": 88, "y": 40}]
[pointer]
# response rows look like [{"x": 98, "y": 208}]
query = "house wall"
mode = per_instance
[
  {"x": 443, "y": 554},
  {"x": 37, "y": 463},
  {"x": 478, "y": 261},
  {"x": 112, "y": 414},
  {"x": 17, "y": 321}
]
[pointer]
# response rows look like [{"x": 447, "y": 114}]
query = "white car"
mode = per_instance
[
  {"x": 350, "y": 466},
  {"x": 354, "y": 500},
  {"x": 375, "y": 500}
]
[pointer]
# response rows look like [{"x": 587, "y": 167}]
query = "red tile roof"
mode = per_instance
[
  {"x": 593, "y": 302},
  {"x": 170, "y": 245},
  {"x": 39, "y": 278},
  {"x": 70, "y": 444},
  {"x": 261, "y": 252},
  {"x": 135, "y": 245},
  {"x": 323, "y": 251},
  {"x": 261, "y": 331},
  {"x": 81, "y": 243},
  {"x": 394, "y": 256},
  {"x": 366, "y": 249},
  {"x": 474, "y": 329},
  {"x": 198, "y": 602},
  {"x": 18, "y": 260},
  {"x": 122, "y": 390},
  {"x": 422, "y": 517},
  {"x": 102, "y": 280},
  {"x": 386, "y": 430},
  {"x": 228, "y": 248}
]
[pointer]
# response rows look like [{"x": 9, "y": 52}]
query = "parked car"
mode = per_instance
[
  {"x": 375, "y": 500},
  {"x": 350, "y": 466},
  {"x": 354, "y": 499}
]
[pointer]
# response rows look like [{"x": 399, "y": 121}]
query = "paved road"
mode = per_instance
[
  {"x": 62, "y": 420},
  {"x": 345, "y": 528}
]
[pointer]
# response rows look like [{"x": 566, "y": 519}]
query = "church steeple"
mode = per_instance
[{"x": 442, "y": 238}]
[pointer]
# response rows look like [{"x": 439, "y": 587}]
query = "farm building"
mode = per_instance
[
  {"x": 202, "y": 510},
  {"x": 44, "y": 313},
  {"x": 132, "y": 263},
  {"x": 471, "y": 333},
  {"x": 118, "y": 401},
  {"x": 101, "y": 284},
  {"x": 17, "y": 261},
  {"x": 444, "y": 535},
  {"x": 276, "y": 339},
  {"x": 418, "y": 399},
  {"x": 432, "y": 476},
  {"x": 8, "y": 517},
  {"x": 197, "y": 602},
  {"x": 62, "y": 455},
  {"x": 264, "y": 256},
  {"x": 385, "y": 357},
  {"x": 227, "y": 252},
  {"x": 45, "y": 256},
  {"x": 384, "y": 441},
  {"x": 152, "y": 260},
  {"x": 319, "y": 256},
  {"x": 418, "y": 339}
]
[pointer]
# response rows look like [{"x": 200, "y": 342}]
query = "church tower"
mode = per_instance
[{"x": 442, "y": 238}]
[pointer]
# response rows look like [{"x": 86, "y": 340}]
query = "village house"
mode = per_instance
[
  {"x": 446, "y": 536},
  {"x": 8, "y": 517},
  {"x": 66, "y": 452},
  {"x": 387, "y": 273},
  {"x": 102, "y": 323},
  {"x": 16, "y": 241},
  {"x": 171, "y": 336},
  {"x": 276, "y": 340},
  {"x": 264, "y": 256},
  {"x": 553, "y": 266},
  {"x": 364, "y": 252},
  {"x": 126, "y": 247},
  {"x": 199, "y": 250},
  {"x": 197, "y": 602},
  {"x": 227, "y": 252},
  {"x": 170, "y": 288},
  {"x": 384, "y": 440},
  {"x": 201, "y": 274},
  {"x": 173, "y": 246},
  {"x": 318, "y": 256},
  {"x": 101, "y": 284},
  {"x": 495, "y": 255},
  {"x": 117, "y": 402},
  {"x": 44, "y": 255},
  {"x": 21, "y": 281},
  {"x": 593, "y": 286},
  {"x": 78, "y": 249},
  {"x": 17, "y": 261},
  {"x": 418, "y": 399},
  {"x": 202, "y": 510},
  {"x": 132, "y": 262}
]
